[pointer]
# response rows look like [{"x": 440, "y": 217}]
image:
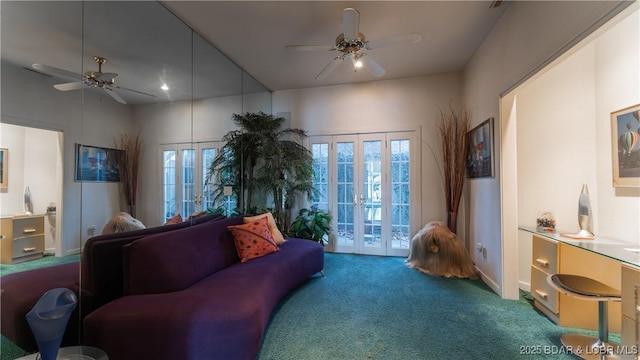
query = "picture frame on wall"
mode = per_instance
[
  {"x": 625, "y": 134},
  {"x": 4, "y": 168},
  {"x": 97, "y": 164},
  {"x": 480, "y": 150}
]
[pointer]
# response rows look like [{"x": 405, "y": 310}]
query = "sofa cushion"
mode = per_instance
[
  {"x": 275, "y": 232},
  {"x": 253, "y": 239},
  {"x": 102, "y": 261},
  {"x": 175, "y": 260}
]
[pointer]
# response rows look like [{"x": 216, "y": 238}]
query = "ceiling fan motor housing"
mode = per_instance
[{"x": 351, "y": 45}]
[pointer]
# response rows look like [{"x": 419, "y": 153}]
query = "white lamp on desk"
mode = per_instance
[{"x": 585, "y": 216}]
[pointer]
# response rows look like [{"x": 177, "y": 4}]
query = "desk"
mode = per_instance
[{"x": 614, "y": 263}]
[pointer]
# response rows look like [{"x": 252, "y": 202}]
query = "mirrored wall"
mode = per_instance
[{"x": 105, "y": 70}]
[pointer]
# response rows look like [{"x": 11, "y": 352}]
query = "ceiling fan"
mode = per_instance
[
  {"x": 353, "y": 45},
  {"x": 96, "y": 79}
]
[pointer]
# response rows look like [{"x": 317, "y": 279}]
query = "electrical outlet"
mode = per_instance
[{"x": 91, "y": 231}]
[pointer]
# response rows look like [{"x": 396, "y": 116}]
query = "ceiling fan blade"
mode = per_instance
[
  {"x": 135, "y": 91},
  {"x": 350, "y": 23},
  {"x": 394, "y": 40},
  {"x": 372, "y": 66},
  {"x": 310, "y": 47},
  {"x": 330, "y": 67},
  {"x": 57, "y": 72},
  {"x": 69, "y": 86},
  {"x": 114, "y": 95}
]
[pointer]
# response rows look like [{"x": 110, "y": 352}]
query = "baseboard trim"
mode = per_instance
[{"x": 492, "y": 284}]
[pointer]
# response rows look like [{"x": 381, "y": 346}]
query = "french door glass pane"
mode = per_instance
[
  {"x": 169, "y": 183},
  {"x": 320, "y": 152},
  {"x": 345, "y": 199},
  {"x": 188, "y": 182},
  {"x": 372, "y": 193},
  {"x": 400, "y": 195},
  {"x": 207, "y": 156}
]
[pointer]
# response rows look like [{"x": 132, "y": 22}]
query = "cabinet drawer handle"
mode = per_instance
[
  {"x": 2, "y": 237},
  {"x": 543, "y": 262},
  {"x": 542, "y": 294},
  {"x": 29, "y": 249},
  {"x": 28, "y": 231}
]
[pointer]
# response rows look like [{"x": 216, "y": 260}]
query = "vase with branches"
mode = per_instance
[
  {"x": 453, "y": 126},
  {"x": 129, "y": 163}
]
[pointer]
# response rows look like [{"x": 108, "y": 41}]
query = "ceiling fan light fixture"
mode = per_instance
[{"x": 355, "y": 60}]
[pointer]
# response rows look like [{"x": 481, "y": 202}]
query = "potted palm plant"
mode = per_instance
[{"x": 259, "y": 158}]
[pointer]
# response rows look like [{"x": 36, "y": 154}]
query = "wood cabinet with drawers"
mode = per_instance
[
  {"x": 550, "y": 257},
  {"x": 544, "y": 263},
  {"x": 630, "y": 302},
  {"x": 21, "y": 239}
]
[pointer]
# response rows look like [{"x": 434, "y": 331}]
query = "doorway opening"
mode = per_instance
[{"x": 34, "y": 161}]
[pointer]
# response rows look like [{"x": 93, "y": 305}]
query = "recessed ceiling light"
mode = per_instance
[{"x": 164, "y": 87}]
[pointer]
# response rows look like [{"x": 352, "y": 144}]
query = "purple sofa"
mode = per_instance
[
  {"x": 187, "y": 296},
  {"x": 101, "y": 282}
]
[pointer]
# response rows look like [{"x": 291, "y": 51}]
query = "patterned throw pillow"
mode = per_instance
[
  {"x": 253, "y": 239},
  {"x": 275, "y": 232}
]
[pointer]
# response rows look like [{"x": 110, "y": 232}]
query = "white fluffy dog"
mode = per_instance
[
  {"x": 122, "y": 222},
  {"x": 436, "y": 250}
]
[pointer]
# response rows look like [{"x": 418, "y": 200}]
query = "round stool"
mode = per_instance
[{"x": 580, "y": 287}]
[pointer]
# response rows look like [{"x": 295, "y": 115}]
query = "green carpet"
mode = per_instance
[
  {"x": 370, "y": 307},
  {"x": 49, "y": 260}
]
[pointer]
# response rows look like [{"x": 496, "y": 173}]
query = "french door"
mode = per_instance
[
  {"x": 368, "y": 183},
  {"x": 184, "y": 173}
]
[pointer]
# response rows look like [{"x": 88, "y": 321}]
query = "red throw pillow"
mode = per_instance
[{"x": 253, "y": 239}]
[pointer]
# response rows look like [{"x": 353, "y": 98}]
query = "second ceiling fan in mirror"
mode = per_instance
[
  {"x": 353, "y": 45},
  {"x": 95, "y": 79}
]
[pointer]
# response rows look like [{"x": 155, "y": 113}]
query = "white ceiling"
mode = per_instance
[
  {"x": 147, "y": 46},
  {"x": 254, "y": 35}
]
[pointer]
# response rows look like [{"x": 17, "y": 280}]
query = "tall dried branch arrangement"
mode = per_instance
[
  {"x": 453, "y": 126},
  {"x": 129, "y": 163}
]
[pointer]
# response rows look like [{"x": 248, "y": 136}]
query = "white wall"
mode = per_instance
[
  {"x": 526, "y": 37},
  {"x": 386, "y": 105}
]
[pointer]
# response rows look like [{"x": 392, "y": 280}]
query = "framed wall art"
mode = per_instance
[
  {"x": 480, "y": 150},
  {"x": 625, "y": 131},
  {"x": 4, "y": 168},
  {"x": 97, "y": 164}
]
